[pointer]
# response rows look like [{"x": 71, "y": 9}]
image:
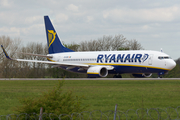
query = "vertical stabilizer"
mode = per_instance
[{"x": 53, "y": 41}]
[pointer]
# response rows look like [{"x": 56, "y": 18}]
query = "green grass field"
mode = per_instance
[{"x": 99, "y": 94}]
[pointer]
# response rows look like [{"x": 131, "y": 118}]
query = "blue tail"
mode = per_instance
[{"x": 54, "y": 43}]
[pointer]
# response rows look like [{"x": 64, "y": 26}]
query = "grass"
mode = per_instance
[{"x": 99, "y": 94}]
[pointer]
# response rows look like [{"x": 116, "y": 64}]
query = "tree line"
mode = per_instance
[{"x": 15, "y": 48}]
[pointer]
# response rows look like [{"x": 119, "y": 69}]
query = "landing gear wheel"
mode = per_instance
[
  {"x": 117, "y": 76},
  {"x": 159, "y": 76},
  {"x": 90, "y": 77}
]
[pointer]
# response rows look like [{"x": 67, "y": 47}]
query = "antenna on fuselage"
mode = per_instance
[{"x": 161, "y": 50}]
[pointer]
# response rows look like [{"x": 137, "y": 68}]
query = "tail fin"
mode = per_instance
[{"x": 54, "y": 43}]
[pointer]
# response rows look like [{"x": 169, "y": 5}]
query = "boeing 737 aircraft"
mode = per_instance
[{"x": 139, "y": 63}]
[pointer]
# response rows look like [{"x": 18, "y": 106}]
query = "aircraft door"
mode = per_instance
[{"x": 150, "y": 59}]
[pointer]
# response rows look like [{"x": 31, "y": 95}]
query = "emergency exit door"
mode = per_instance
[{"x": 150, "y": 59}]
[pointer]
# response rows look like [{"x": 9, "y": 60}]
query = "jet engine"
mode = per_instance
[
  {"x": 97, "y": 71},
  {"x": 142, "y": 75}
]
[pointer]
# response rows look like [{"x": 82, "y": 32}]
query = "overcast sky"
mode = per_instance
[{"x": 154, "y": 23}]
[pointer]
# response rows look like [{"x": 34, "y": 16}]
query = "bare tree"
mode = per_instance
[
  {"x": 27, "y": 69},
  {"x": 134, "y": 45},
  {"x": 118, "y": 42},
  {"x": 73, "y": 46},
  {"x": 33, "y": 69},
  {"x": 12, "y": 46},
  {"x": 106, "y": 43}
]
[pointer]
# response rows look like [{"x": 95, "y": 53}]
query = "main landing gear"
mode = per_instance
[{"x": 117, "y": 76}]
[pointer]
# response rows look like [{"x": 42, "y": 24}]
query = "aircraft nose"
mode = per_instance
[{"x": 172, "y": 64}]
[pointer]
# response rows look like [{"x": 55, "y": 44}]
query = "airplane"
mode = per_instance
[{"x": 139, "y": 63}]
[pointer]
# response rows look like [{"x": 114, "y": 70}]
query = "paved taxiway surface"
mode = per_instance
[{"x": 89, "y": 78}]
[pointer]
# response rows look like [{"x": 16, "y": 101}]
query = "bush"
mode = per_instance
[{"x": 53, "y": 101}]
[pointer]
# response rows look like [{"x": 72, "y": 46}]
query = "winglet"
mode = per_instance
[{"x": 7, "y": 56}]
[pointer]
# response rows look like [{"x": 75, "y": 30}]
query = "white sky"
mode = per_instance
[{"x": 154, "y": 23}]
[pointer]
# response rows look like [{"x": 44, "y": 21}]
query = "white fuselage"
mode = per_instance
[{"x": 138, "y": 61}]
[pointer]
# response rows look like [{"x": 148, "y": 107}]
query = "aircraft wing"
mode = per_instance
[
  {"x": 56, "y": 64},
  {"x": 46, "y": 62}
]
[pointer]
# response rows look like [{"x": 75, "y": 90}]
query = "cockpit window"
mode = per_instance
[
  {"x": 164, "y": 57},
  {"x": 160, "y": 58}
]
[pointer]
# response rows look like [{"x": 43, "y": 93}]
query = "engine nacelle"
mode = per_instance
[
  {"x": 142, "y": 75},
  {"x": 97, "y": 71}
]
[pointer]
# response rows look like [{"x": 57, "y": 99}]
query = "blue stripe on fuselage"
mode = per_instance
[{"x": 125, "y": 69}]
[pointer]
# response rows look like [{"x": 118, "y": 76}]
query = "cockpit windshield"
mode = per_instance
[{"x": 164, "y": 57}]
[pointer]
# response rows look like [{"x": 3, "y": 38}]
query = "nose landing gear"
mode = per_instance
[{"x": 160, "y": 74}]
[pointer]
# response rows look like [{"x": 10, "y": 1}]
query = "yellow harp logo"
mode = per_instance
[{"x": 51, "y": 36}]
